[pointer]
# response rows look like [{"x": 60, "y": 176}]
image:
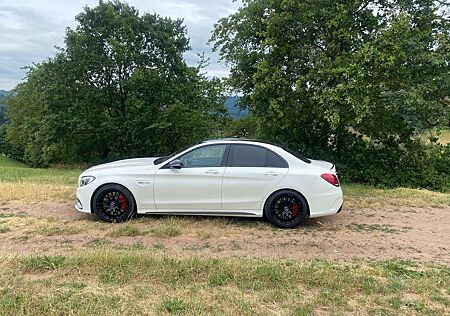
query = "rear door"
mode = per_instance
[{"x": 252, "y": 171}]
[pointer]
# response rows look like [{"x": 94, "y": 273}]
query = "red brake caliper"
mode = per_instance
[
  {"x": 122, "y": 201},
  {"x": 295, "y": 209}
]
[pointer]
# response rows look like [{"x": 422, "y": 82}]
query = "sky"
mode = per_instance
[{"x": 30, "y": 30}]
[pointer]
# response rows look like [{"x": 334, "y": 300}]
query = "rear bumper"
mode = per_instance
[{"x": 328, "y": 203}]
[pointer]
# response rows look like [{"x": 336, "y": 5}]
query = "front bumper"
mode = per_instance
[{"x": 83, "y": 198}]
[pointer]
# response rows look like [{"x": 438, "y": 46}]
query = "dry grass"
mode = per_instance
[
  {"x": 64, "y": 228},
  {"x": 107, "y": 282},
  {"x": 444, "y": 137},
  {"x": 168, "y": 227},
  {"x": 35, "y": 192},
  {"x": 138, "y": 268},
  {"x": 361, "y": 196},
  {"x": 128, "y": 229}
]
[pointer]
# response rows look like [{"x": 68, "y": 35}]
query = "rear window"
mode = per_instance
[
  {"x": 255, "y": 156},
  {"x": 297, "y": 154}
]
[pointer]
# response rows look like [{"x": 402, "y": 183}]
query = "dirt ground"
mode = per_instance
[{"x": 370, "y": 233}]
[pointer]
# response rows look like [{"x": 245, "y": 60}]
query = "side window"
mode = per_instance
[
  {"x": 255, "y": 156},
  {"x": 207, "y": 156},
  {"x": 274, "y": 161}
]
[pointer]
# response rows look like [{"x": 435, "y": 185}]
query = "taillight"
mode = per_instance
[{"x": 331, "y": 178}]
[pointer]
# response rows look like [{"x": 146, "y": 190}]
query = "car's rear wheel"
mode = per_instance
[
  {"x": 113, "y": 203},
  {"x": 286, "y": 209}
]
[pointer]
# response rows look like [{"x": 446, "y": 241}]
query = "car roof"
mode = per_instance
[
  {"x": 237, "y": 139},
  {"x": 253, "y": 141}
]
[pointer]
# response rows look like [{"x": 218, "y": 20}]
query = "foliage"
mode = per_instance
[
  {"x": 3, "y": 98},
  {"x": 118, "y": 88},
  {"x": 8, "y": 149},
  {"x": 331, "y": 78},
  {"x": 244, "y": 127},
  {"x": 410, "y": 165}
]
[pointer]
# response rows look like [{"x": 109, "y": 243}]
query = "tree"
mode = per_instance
[
  {"x": 354, "y": 81},
  {"x": 3, "y": 98},
  {"x": 119, "y": 87},
  {"x": 321, "y": 74}
]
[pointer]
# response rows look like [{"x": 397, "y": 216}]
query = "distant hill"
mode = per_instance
[{"x": 232, "y": 106}]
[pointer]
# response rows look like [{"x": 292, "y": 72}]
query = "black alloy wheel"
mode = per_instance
[
  {"x": 286, "y": 209},
  {"x": 113, "y": 203}
]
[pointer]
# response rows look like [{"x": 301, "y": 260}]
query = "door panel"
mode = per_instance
[
  {"x": 245, "y": 188},
  {"x": 197, "y": 185},
  {"x": 252, "y": 171},
  {"x": 188, "y": 188}
]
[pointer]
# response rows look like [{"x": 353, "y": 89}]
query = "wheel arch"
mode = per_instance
[
  {"x": 285, "y": 189},
  {"x": 109, "y": 183}
]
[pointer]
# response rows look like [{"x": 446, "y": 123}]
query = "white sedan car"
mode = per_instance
[{"x": 231, "y": 177}]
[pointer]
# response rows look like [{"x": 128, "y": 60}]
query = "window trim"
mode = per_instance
[
  {"x": 231, "y": 152},
  {"x": 223, "y": 163}
]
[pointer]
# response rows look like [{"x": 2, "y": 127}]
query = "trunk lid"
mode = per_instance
[{"x": 324, "y": 164}]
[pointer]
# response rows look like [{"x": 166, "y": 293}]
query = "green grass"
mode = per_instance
[
  {"x": 128, "y": 229},
  {"x": 40, "y": 176},
  {"x": 115, "y": 282},
  {"x": 14, "y": 171},
  {"x": 11, "y": 163},
  {"x": 4, "y": 230}
]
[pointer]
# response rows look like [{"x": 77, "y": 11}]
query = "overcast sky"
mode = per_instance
[{"x": 29, "y": 29}]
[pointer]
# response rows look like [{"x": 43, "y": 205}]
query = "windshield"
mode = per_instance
[{"x": 165, "y": 158}]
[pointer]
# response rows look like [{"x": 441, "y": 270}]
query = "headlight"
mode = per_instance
[{"x": 86, "y": 180}]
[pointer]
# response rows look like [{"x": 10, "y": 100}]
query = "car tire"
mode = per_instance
[
  {"x": 286, "y": 209},
  {"x": 113, "y": 203}
]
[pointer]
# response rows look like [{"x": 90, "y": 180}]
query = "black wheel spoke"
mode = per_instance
[
  {"x": 112, "y": 204},
  {"x": 286, "y": 209}
]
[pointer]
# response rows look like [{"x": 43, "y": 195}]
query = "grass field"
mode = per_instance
[
  {"x": 58, "y": 264},
  {"x": 105, "y": 282}
]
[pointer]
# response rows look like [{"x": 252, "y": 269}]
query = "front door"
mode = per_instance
[{"x": 196, "y": 186}]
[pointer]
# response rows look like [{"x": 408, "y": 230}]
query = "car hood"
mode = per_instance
[
  {"x": 126, "y": 163},
  {"x": 323, "y": 164}
]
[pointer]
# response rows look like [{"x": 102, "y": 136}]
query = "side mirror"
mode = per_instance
[{"x": 176, "y": 164}]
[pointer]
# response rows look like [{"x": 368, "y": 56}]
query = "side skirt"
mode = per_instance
[{"x": 204, "y": 213}]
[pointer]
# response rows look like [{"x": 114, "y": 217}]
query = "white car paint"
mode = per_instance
[{"x": 221, "y": 191}]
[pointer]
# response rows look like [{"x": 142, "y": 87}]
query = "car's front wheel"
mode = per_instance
[
  {"x": 113, "y": 203},
  {"x": 286, "y": 209}
]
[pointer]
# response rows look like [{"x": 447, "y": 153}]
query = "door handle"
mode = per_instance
[
  {"x": 271, "y": 173},
  {"x": 212, "y": 171}
]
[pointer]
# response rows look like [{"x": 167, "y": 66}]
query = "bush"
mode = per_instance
[
  {"x": 412, "y": 165},
  {"x": 7, "y": 148}
]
